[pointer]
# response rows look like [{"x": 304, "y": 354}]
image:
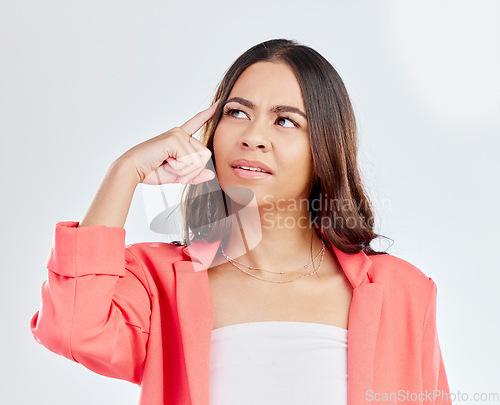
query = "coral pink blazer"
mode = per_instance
[{"x": 144, "y": 313}]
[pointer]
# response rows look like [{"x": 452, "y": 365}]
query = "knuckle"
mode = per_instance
[
  {"x": 178, "y": 131},
  {"x": 173, "y": 131}
]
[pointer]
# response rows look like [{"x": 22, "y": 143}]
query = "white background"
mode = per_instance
[{"x": 82, "y": 82}]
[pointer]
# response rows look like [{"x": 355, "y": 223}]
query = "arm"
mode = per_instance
[
  {"x": 433, "y": 373},
  {"x": 96, "y": 302},
  {"x": 112, "y": 202}
]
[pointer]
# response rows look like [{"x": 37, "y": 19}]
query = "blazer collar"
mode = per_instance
[
  {"x": 201, "y": 253},
  {"x": 355, "y": 265}
]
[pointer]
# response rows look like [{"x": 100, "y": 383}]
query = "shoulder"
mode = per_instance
[
  {"x": 153, "y": 251},
  {"x": 400, "y": 275},
  {"x": 408, "y": 292},
  {"x": 150, "y": 259}
]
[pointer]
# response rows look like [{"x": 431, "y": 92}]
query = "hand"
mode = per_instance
[{"x": 174, "y": 156}]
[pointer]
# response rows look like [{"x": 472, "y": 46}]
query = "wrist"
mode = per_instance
[{"x": 125, "y": 169}]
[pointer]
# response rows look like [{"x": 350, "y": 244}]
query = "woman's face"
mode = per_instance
[{"x": 264, "y": 126}]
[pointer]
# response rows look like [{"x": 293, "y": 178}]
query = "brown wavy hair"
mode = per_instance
[{"x": 339, "y": 208}]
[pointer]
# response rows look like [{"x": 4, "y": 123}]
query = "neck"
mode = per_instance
[{"x": 277, "y": 241}]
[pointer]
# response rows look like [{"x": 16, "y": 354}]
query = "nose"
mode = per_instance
[{"x": 255, "y": 137}]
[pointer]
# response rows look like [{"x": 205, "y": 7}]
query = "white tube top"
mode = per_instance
[{"x": 278, "y": 363}]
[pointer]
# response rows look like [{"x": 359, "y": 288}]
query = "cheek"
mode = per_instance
[
  {"x": 223, "y": 143},
  {"x": 300, "y": 156},
  {"x": 303, "y": 164}
]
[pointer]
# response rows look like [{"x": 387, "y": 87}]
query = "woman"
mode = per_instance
[{"x": 276, "y": 295}]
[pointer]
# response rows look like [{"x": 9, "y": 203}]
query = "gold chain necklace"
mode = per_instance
[
  {"x": 235, "y": 264},
  {"x": 267, "y": 271}
]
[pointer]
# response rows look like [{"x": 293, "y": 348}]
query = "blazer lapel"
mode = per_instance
[
  {"x": 364, "y": 320},
  {"x": 195, "y": 311}
]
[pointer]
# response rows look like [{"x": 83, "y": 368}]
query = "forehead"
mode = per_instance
[{"x": 269, "y": 82}]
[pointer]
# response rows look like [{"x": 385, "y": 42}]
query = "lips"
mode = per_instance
[{"x": 251, "y": 166}]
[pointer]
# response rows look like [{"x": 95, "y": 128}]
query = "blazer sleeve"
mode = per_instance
[
  {"x": 434, "y": 378},
  {"x": 95, "y": 304}
]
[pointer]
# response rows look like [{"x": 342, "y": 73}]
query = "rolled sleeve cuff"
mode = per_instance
[{"x": 89, "y": 250}]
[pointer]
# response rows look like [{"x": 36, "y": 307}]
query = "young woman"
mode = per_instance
[{"x": 275, "y": 296}]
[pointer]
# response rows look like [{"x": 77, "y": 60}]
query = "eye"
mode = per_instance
[
  {"x": 232, "y": 112},
  {"x": 286, "y": 122}
]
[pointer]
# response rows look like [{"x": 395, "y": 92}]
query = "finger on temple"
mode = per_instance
[{"x": 194, "y": 124}]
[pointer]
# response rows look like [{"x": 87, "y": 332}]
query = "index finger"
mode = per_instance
[{"x": 194, "y": 124}]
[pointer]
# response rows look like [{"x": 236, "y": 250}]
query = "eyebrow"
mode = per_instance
[{"x": 275, "y": 108}]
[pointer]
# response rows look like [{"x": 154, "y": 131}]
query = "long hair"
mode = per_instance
[{"x": 339, "y": 208}]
